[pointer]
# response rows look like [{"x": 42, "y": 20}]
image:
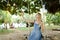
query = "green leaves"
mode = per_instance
[
  {"x": 53, "y": 18},
  {"x": 1, "y": 16},
  {"x": 27, "y": 5},
  {"x": 5, "y": 16}
]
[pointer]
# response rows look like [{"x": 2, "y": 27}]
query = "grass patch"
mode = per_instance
[
  {"x": 47, "y": 27},
  {"x": 24, "y": 28},
  {"x": 53, "y": 27},
  {"x": 4, "y": 31}
]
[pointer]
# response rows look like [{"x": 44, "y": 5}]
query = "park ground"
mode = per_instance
[{"x": 23, "y": 33}]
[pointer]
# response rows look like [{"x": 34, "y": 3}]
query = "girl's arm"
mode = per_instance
[
  {"x": 42, "y": 26},
  {"x": 29, "y": 21}
]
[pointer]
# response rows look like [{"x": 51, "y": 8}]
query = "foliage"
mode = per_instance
[
  {"x": 13, "y": 5},
  {"x": 49, "y": 18},
  {"x": 1, "y": 16},
  {"x": 53, "y": 18},
  {"x": 30, "y": 5},
  {"x": 5, "y": 16},
  {"x": 56, "y": 19}
]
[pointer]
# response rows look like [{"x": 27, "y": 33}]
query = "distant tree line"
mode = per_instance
[{"x": 30, "y": 5}]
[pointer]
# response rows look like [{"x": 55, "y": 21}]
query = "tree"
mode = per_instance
[
  {"x": 27, "y": 5},
  {"x": 52, "y": 5}
]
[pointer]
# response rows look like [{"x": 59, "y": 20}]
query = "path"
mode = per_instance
[
  {"x": 21, "y": 35},
  {"x": 17, "y": 35}
]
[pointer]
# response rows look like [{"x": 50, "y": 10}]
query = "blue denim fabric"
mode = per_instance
[{"x": 36, "y": 33}]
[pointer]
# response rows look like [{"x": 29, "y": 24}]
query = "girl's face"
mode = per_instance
[{"x": 38, "y": 16}]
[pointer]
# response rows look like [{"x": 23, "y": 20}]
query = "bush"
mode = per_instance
[
  {"x": 5, "y": 16},
  {"x": 56, "y": 19},
  {"x": 53, "y": 18}
]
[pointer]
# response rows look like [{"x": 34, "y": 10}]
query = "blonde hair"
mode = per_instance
[{"x": 39, "y": 14}]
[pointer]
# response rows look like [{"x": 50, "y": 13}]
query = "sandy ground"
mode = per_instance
[
  {"x": 17, "y": 35},
  {"x": 21, "y": 35}
]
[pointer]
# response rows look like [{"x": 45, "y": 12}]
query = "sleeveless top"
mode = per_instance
[{"x": 36, "y": 33}]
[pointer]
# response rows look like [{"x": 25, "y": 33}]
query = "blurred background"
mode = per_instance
[{"x": 11, "y": 20}]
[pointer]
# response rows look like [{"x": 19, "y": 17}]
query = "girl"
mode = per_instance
[{"x": 36, "y": 33}]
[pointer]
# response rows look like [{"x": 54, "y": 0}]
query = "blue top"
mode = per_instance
[{"x": 36, "y": 33}]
